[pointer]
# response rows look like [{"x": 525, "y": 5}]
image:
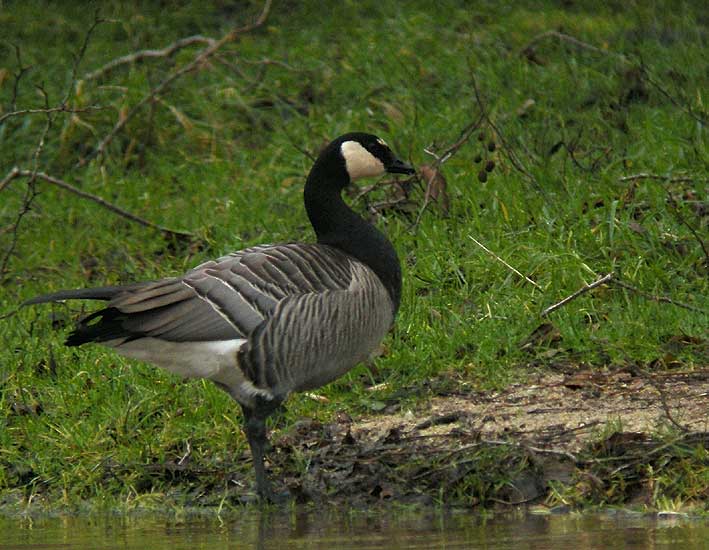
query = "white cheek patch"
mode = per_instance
[{"x": 359, "y": 162}]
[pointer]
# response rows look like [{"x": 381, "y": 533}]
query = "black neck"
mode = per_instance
[{"x": 335, "y": 224}]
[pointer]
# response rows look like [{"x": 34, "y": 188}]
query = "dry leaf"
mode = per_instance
[{"x": 436, "y": 186}]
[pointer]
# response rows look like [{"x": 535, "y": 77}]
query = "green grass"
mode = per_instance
[{"x": 220, "y": 155}]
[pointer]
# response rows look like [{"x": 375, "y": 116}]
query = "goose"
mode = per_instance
[{"x": 269, "y": 320}]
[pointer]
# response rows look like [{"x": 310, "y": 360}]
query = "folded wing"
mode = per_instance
[{"x": 223, "y": 299}]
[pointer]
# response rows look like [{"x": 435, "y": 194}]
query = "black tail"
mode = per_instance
[
  {"x": 99, "y": 293},
  {"x": 99, "y": 326}
]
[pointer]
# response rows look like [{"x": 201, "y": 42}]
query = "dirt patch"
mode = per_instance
[
  {"x": 564, "y": 411},
  {"x": 595, "y": 433}
]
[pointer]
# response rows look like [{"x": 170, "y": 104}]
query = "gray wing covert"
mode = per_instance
[{"x": 229, "y": 297}]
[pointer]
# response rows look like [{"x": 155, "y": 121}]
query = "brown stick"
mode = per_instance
[
  {"x": 566, "y": 38},
  {"x": 60, "y": 109},
  {"x": 165, "y": 84},
  {"x": 657, "y": 298},
  {"x": 645, "y": 74},
  {"x": 507, "y": 149},
  {"x": 579, "y": 292},
  {"x": 135, "y": 57},
  {"x": 665, "y": 405},
  {"x": 647, "y": 176},
  {"x": 31, "y": 191},
  {"x": 442, "y": 158},
  {"x": 17, "y": 173},
  {"x": 673, "y": 202}
]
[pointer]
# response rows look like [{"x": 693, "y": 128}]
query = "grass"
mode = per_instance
[{"x": 220, "y": 155}]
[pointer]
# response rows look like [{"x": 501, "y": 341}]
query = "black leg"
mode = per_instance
[{"x": 255, "y": 426}]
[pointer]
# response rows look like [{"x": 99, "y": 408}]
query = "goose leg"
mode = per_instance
[{"x": 255, "y": 425}]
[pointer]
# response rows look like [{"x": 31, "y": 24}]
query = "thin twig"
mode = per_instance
[
  {"x": 648, "y": 176},
  {"x": 11, "y": 175},
  {"x": 167, "y": 82},
  {"x": 507, "y": 148},
  {"x": 686, "y": 108},
  {"x": 135, "y": 57},
  {"x": 665, "y": 405},
  {"x": 579, "y": 292},
  {"x": 31, "y": 191},
  {"x": 559, "y": 452},
  {"x": 20, "y": 73},
  {"x": 60, "y": 109},
  {"x": 16, "y": 173},
  {"x": 32, "y": 175},
  {"x": 529, "y": 48},
  {"x": 80, "y": 56},
  {"x": 673, "y": 202},
  {"x": 657, "y": 298},
  {"x": 451, "y": 150},
  {"x": 503, "y": 262},
  {"x": 688, "y": 225}
]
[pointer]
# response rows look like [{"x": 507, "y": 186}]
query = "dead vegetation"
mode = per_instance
[{"x": 567, "y": 435}]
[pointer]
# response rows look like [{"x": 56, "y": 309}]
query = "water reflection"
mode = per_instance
[{"x": 355, "y": 530}]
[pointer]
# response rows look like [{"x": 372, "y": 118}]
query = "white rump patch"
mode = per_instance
[
  {"x": 188, "y": 359},
  {"x": 359, "y": 162}
]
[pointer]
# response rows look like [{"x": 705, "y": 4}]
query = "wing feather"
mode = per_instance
[{"x": 221, "y": 299}]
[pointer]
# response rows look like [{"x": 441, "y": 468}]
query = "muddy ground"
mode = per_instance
[
  {"x": 626, "y": 437},
  {"x": 588, "y": 435}
]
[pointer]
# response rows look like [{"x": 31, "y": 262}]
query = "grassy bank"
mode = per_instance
[{"x": 595, "y": 122}]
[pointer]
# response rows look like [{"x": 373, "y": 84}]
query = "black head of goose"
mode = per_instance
[{"x": 273, "y": 319}]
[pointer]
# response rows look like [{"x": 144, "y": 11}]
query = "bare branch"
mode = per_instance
[
  {"x": 686, "y": 108},
  {"x": 665, "y": 405},
  {"x": 11, "y": 175},
  {"x": 16, "y": 172},
  {"x": 78, "y": 58},
  {"x": 673, "y": 202},
  {"x": 671, "y": 179},
  {"x": 451, "y": 150},
  {"x": 60, "y": 109},
  {"x": 20, "y": 73},
  {"x": 559, "y": 452},
  {"x": 31, "y": 191},
  {"x": 529, "y": 49},
  {"x": 136, "y": 57},
  {"x": 167, "y": 82},
  {"x": 30, "y": 194},
  {"x": 507, "y": 148},
  {"x": 503, "y": 262},
  {"x": 656, "y": 298},
  {"x": 579, "y": 292}
]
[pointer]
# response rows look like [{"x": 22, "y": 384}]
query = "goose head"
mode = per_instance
[
  {"x": 359, "y": 155},
  {"x": 367, "y": 155}
]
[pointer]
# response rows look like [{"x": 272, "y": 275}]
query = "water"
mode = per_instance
[{"x": 356, "y": 530}]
